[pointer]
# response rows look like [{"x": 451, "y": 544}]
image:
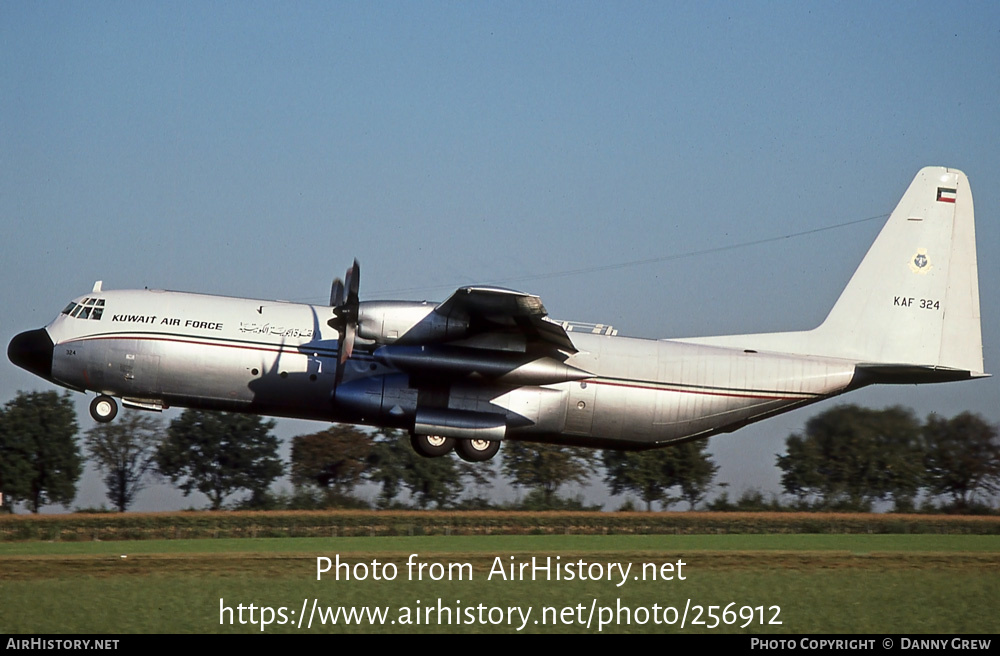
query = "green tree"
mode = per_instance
[
  {"x": 652, "y": 474},
  {"x": 696, "y": 471},
  {"x": 479, "y": 475},
  {"x": 546, "y": 467},
  {"x": 433, "y": 480},
  {"x": 851, "y": 456},
  {"x": 39, "y": 458},
  {"x": 220, "y": 453},
  {"x": 124, "y": 451},
  {"x": 333, "y": 460},
  {"x": 648, "y": 474},
  {"x": 961, "y": 458},
  {"x": 394, "y": 465},
  {"x": 386, "y": 464}
]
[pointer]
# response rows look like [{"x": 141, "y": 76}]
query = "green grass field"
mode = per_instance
[{"x": 810, "y": 583}]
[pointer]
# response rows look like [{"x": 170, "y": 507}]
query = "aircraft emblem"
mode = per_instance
[{"x": 920, "y": 262}]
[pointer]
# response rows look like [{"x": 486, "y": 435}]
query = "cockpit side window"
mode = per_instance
[{"x": 89, "y": 308}]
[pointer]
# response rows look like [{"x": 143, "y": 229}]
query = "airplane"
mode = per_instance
[{"x": 488, "y": 364}]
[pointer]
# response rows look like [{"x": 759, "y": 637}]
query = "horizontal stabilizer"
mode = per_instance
[{"x": 909, "y": 374}]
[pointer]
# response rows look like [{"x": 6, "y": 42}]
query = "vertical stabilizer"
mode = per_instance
[
  {"x": 915, "y": 298},
  {"x": 913, "y": 303}
]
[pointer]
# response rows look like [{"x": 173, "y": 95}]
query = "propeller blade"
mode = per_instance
[
  {"x": 353, "y": 284},
  {"x": 337, "y": 292},
  {"x": 348, "y": 342},
  {"x": 345, "y": 347}
]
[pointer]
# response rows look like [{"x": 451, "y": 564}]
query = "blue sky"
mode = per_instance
[{"x": 255, "y": 149}]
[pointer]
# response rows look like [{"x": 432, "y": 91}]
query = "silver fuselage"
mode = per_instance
[{"x": 158, "y": 349}]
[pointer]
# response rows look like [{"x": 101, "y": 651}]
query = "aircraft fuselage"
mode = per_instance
[{"x": 157, "y": 349}]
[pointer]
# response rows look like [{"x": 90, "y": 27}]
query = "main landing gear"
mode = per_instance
[
  {"x": 431, "y": 446},
  {"x": 103, "y": 408},
  {"x": 435, "y": 446},
  {"x": 477, "y": 450}
]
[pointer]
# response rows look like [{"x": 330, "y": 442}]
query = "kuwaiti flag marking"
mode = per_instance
[{"x": 946, "y": 195}]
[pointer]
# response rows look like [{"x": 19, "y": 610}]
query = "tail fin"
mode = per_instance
[
  {"x": 915, "y": 298},
  {"x": 912, "y": 306}
]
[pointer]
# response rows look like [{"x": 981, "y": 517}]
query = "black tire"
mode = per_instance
[
  {"x": 103, "y": 409},
  {"x": 432, "y": 446},
  {"x": 477, "y": 450}
]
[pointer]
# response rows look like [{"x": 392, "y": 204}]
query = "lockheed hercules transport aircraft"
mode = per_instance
[{"x": 488, "y": 365}]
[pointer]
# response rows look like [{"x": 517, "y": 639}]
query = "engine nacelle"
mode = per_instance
[{"x": 407, "y": 322}]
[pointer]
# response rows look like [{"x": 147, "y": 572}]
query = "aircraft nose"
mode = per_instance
[{"x": 32, "y": 350}]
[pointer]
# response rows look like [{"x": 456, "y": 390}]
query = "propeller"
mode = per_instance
[{"x": 344, "y": 299}]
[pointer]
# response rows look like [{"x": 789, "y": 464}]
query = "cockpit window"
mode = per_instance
[{"x": 89, "y": 308}]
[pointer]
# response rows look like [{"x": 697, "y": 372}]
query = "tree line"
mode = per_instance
[
  {"x": 851, "y": 457},
  {"x": 847, "y": 458}
]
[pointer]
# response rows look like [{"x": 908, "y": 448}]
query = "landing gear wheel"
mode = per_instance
[
  {"x": 431, "y": 446},
  {"x": 103, "y": 409},
  {"x": 477, "y": 450}
]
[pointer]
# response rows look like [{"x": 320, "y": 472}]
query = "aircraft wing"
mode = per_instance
[{"x": 493, "y": 309}]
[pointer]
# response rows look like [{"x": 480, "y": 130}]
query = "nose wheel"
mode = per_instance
[{"x": 103, "y": 408}]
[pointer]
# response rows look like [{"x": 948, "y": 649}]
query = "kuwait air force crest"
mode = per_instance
[{"x": 920, "y": 263}]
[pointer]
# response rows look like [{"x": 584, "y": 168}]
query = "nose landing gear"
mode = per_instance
[{"x": 103, "y": 408}]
